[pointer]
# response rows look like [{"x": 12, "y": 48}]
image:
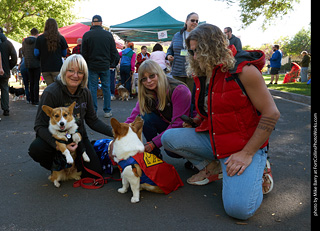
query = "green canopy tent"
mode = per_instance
[{"x": 146, "y": 27}]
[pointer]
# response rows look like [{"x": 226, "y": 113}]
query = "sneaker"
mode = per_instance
[
  {"x": 107, "y": 114},
  {"x": 113, "y": 97}
]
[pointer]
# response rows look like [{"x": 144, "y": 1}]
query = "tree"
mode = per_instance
[
  {"x": 268, "y": 9},
  {"x": 301, "y": 41},
  {"x": 18, "y": 17}
]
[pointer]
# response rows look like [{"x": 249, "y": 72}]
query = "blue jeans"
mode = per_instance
[
  {"x": 93, "y": 86},
  {"x": 242, "y": 195},
  {"x": 125, "y": 77},
  {"x": 304, "y": 74}
]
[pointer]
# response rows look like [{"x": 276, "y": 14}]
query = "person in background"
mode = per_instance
[
  {"x": 1, "y": 67},
  {"x": 159, "y": 56},
  {"x": 32, "y": 63},
  {"x": 291, "y": 76},
  {"x": 275, "y": 63},
  {"x": 141, "y": 57},
  {"x": 8, "y": 60},
  {"x": 99, "y": 50},
  {"x": 50, "y": 47},
  {"x": 178, "y": 51},
  {"x": 233, "y": 40},
  {"x": 304, "y": 66},
  {"x": 127, "y": 64},
  {"x": 113, "y": 70},
  {"x": 77, "y": 49}
]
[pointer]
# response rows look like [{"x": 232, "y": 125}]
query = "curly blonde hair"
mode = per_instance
[{"x": 212, "y": 50}]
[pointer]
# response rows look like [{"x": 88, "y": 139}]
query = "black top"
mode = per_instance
[
  {"x": 99, "y": 49},
  {"x": 50, "y": 61},
  {"x": 57, "y": 95}
]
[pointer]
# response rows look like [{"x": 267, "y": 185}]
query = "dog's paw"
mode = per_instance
[
  {"x": 85, "y": 157},
  {"x": 69, "y": 159},
  {"x": 134, "y": 199},
  {"x": 56, "y": 183},
  {"x": 77, "y": 178},
  {"x": 122, "y": 190},
  {"x": 76, "y": 138}
]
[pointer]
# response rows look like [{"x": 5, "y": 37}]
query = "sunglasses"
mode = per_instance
[
  {"x": 194, "y": 20},
  {"x": 144, "y": 79},
  {"x": 192, "y": 52}
]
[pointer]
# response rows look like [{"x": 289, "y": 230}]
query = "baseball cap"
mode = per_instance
[{"x": 96, "y": 18}]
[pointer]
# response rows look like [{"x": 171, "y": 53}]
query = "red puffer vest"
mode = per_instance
[{"x": 231, "y": 118}]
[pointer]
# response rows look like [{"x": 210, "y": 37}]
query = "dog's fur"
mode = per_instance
[
  {"x": 122, "y": 92},
  {"x": 17, "y": 93},
  {"x": 128, "y": 142},
  {"x": 62, "y": 123}
]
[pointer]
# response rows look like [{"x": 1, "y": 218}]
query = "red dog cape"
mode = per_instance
[{"x": 161, "y": 173}]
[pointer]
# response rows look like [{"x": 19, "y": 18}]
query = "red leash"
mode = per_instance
[{"x": 92, "y": 183}]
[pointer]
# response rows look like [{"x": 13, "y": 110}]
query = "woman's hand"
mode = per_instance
[
  {"x": 72, "y": 147},
  {"x": 149, "y": 146},
  {"x": 237, "y": 163}
]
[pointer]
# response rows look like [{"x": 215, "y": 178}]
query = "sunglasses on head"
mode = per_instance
[{"x": 194, "y": 20}]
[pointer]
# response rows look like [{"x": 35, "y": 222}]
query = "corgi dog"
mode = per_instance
[
  {"x": 63, "y": 128},
  {"x": 122, "y": 92},
  {"x": 139, "y": 169}
]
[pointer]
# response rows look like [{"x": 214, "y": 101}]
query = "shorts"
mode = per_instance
[{"x": 274, "y": 70}]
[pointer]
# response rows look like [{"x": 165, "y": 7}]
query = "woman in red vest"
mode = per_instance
[{"x": 236, "y": 115}]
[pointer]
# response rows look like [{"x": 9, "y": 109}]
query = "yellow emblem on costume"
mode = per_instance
[{"x": 151, "y": 159}]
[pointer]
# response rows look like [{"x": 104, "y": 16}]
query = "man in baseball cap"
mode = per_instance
[{"x": 96, "y": 18}]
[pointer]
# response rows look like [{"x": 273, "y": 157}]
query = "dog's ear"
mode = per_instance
[
  {"x": 71, "y": 107},
  {"x": 47, "y": 110},
  {"x": 115, "y": 125},
  {"x": 137, "y": 126}
]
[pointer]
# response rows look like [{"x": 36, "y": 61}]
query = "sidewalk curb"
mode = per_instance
[{"x": 292, "y": 96}]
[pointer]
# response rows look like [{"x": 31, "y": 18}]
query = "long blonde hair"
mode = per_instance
[
  {"x": 212, "y": 50},
  {"x": 147, "y": 98}
]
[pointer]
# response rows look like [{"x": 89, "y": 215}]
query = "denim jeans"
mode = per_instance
[
  {"x": 125, "y": 77},
  {"x": 105, "y": 83},
  {"x": 304, "y": 74},
  {"x": 242, "y": 195}
]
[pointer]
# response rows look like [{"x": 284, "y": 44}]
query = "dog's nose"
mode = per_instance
[{"x": 61, "y": 124}]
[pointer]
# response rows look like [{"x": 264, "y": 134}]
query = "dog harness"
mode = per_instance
[{"x": 59, "y": 161}]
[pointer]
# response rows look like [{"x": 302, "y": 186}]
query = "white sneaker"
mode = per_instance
[
  {"x": 107, "y": 114},
  {"x": 113, "y": 97}
]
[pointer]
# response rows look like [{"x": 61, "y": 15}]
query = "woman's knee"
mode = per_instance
[{"x": 241, "y": 208}]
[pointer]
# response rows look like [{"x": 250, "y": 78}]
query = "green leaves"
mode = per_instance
[{"x": 18, "y": 17}]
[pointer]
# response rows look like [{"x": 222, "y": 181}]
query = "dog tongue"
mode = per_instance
[{"x": 62, "y": 128}]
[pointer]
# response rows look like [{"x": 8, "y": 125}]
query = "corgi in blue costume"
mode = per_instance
[{"x": 138, "y": 168}]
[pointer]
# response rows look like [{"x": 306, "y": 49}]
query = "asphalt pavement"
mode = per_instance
[{"x": 28, "y": 201}]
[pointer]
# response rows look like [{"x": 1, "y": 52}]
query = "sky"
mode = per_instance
[{"x": 211, "y": 11}]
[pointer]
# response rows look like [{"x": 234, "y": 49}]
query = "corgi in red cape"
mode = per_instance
[{"x": 139, "y": 169}]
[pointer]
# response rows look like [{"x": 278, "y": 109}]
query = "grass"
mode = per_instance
[{"x": 298, "y": 88}]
